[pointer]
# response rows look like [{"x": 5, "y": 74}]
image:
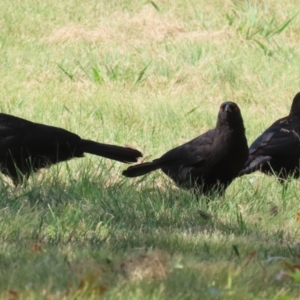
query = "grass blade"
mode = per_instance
[
  {"x": 285, "y": 25},
  {"x": 96, "y": 75},
  {"x": 155, "y": 6},
  {"x": 141, "y": 74},
  {"x": 191, "y": 111},
  {"x": 71, "y": 76}
]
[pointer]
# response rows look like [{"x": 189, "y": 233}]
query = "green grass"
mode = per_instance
[{"x": 150, "y": 74}]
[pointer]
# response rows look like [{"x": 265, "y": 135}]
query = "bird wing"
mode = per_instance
[
  {"x": 192, "y": 153},
  {"x": 279, "y": 139}
]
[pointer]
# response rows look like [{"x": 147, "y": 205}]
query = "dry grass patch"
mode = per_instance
[
  {"x": 147, "y": 26},
  {"x": 146, "y": 266}
]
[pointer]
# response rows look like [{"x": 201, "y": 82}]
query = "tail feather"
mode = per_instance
[
  {"x": 141, "y": 169},
  {"x": 122, "y": 154},
  {"x": 253, "y": 164}
]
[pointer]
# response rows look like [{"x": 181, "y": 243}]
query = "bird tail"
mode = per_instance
[
  {"x": 253, "y": 164},
  {"x": 122, "y": 154},
  {"x": 141, "y": 169}
]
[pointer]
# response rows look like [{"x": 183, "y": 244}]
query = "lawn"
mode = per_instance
[{"x": 151, "y": 75}]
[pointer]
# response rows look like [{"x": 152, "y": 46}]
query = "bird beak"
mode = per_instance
[{"x": 228, "y": 108}]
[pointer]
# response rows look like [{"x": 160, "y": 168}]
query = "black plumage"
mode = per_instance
[
  {"x": 26, "y": 147},
  {"x": 209, "y": 162},
  {"x": 277, "y": 150}
]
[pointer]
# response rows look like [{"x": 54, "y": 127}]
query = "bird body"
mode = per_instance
[
  {"x": 26, "y": 147},
  {"x": 209, "y": 162},
  {"x": 277, "y": 150}
]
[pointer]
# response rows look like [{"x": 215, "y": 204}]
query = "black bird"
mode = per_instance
[
  {"x": 277, "y": 150},
  {"x": 208, "y": 163},
  {"x": 26, "y": 147}
]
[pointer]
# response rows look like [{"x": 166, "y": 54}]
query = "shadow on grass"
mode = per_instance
[{"x": 58, "y": 230}]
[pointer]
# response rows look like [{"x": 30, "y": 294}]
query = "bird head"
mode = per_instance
[
  {"x": 295, "y": 109},
  {"x": 230, "y": 114}
]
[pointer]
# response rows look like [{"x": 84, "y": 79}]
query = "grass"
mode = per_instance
[{"x": 150, "y": 74}]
